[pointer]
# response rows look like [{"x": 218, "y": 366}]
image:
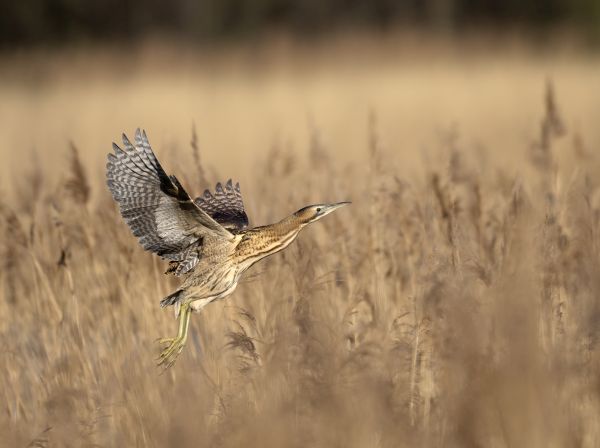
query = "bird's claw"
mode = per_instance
[
  {"x": 169, "y": 355},
  {"x": 175, "y": 345}
]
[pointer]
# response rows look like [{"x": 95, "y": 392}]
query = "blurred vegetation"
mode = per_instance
[{"x": 55, "y": 21}]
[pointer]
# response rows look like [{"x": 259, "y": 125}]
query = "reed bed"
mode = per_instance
[{"x": 451, "y": 306}]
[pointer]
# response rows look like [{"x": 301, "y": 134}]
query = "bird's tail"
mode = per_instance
[{"x": 171, "y": 299}]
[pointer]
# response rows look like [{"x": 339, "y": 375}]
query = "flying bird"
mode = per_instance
[{"x": 206, "y": 240}]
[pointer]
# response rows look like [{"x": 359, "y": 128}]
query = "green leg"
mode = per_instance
[{"x": 171, "y": 352}]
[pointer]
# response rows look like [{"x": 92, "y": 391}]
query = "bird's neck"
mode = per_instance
[{"x": 261, "y": 242}]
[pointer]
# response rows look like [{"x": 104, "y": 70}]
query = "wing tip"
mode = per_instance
[{"x": 126, "y": 141}]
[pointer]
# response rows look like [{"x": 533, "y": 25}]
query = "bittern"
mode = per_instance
[{"x": 207, "y": 239}]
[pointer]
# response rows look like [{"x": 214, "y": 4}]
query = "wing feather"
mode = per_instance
[
  {"x": 156, "y": 207},
  {"x": 225, "y": 206}
]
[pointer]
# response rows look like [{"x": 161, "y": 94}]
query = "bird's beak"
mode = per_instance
[{"x": 331, "y": 207}]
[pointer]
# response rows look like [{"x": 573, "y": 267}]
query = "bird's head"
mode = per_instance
[{"x": 312, "y": 213}]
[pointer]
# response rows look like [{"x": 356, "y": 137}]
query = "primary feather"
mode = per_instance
[
  {"x": 157, "y": 208},
  {"x": 225, "y": 206}
]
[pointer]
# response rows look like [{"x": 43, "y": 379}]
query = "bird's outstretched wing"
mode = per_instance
[
  {"x": 225, "y": 206},
  {"x": 157, "y": 208}
]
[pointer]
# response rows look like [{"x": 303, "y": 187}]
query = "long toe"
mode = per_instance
[
  {"x": 174, "y": 356},
  {"x": 169, "y": 349},
  {"x": 169, "y": 355}
]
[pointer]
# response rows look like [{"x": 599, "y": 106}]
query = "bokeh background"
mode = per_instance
[
  {"x": 454, "y": 304},
  {"x": 39, "y": 22},
  {"x": 253, "y": 73}
]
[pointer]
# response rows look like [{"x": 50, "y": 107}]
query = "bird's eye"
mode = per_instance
[{"x": 318, "y": 209}]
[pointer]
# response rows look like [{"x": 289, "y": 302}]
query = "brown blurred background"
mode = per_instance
[
  {"x": 251, "y": 74},
  {"x": 454, "y": 304}
]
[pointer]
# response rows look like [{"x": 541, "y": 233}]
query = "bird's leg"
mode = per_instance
[
  {"x": 171, "y": 352},
  {"x": 179, "y": 333}
]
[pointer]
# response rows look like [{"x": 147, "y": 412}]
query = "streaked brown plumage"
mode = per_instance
[{"x": 206, "y": 239}]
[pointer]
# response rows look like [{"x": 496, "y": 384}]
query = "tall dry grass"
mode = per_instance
[{"x": 454, "y": 305}]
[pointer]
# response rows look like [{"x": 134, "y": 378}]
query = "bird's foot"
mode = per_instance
[
  {"x": 175, "y": 345},
  {"x": 169, "y": 355}
]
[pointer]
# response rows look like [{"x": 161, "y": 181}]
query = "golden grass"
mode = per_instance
[{"x": 455, "y": 303}]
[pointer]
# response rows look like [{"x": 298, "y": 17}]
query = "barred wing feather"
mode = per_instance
[
  {"x": 225, "y": 206},
  {"x": 157, "y": 208}
]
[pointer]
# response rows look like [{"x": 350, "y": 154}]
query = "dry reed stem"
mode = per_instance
[{"x": 454, "y": 307}]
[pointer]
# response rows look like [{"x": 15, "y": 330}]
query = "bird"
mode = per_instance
[{"x": 207, "y": 240}]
